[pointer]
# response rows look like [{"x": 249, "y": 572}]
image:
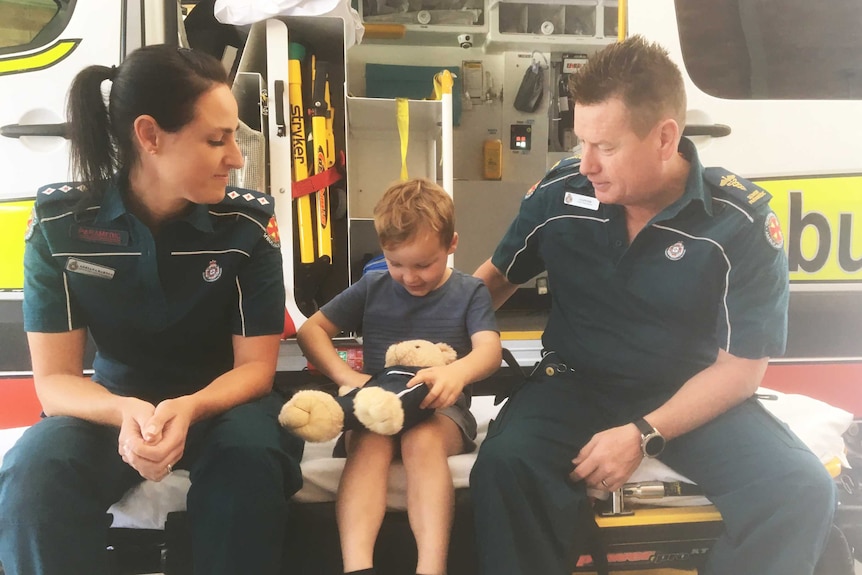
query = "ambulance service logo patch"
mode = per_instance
[
  {"x": 213, "y": 272},
  {"x": 675, "y": 251},
  {"x": 772, "y": 229},
  {"x": 272, "y": 233},
  {"x": 31, "y": 224},
  {"x": 531, "y": 190}
]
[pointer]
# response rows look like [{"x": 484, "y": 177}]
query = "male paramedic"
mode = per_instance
[{"x": 669, "y": 294}]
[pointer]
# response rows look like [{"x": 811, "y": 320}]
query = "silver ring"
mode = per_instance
[
  {"x": 171, "y": 469},
  {"x": 603, "y": 481}
]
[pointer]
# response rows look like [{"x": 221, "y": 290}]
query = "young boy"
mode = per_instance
[{"x": 419, "y": 297}]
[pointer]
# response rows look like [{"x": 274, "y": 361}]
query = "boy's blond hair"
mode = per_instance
[{"x": 410, "y": 208}]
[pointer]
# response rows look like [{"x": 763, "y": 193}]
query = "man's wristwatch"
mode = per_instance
[{"x": 652, "y": 442}]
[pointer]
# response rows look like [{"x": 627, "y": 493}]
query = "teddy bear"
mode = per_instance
[{"x": 384, "y": 405}]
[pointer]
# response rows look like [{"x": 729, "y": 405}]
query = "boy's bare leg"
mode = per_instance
[
  {"x": 430, "y": 494},
  {"x": 361, "y": 502}
]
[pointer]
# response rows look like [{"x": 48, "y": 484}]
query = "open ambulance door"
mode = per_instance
[
  {"x": 775, "y": 92},
  {"x": 43, "y": 44}
]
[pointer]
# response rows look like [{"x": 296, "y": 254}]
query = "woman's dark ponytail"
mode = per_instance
[{"x": 93, "y": 156}]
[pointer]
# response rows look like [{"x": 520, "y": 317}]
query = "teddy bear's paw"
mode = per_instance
[
  {"x": 312, "y": 415},
  {"x": 379, "y": 410}
]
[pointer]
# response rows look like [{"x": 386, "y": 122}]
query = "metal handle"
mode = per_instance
[
  {"x": 42, "y": 130},
  {"x": 279, "y": 109},
  {"x": 713, "y": 130}
]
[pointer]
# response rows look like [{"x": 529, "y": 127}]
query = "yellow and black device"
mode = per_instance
[
  {"x": 323, "y": 146},
  {"x": 299, "y": 152},
  {"x": 316, "y": 167}
]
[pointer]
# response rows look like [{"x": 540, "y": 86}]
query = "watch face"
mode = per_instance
[{"x": 653, "y": 446}]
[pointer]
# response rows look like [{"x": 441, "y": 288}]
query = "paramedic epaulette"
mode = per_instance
[
  {"x": 745, "y": 193},
  {"x": 62, "y": 191},
  {"x": 564, "y": 164},
  {"x": 249, "y": 199}
]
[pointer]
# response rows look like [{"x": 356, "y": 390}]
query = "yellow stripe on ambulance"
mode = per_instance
[
  {"x": 820, "y": 219},
  {"x": 40, "y": 60},
  {"x": 14, "y": 217}
]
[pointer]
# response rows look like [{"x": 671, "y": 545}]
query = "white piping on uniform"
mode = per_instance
[
  {"x": 68, "y": 301},
  {"x": 246, "y": 254},
  {"x": 399, "y": 372},
  {"x": 726, "y": 275},
  {"x": 261, "y": 226},
  {"x": 56, "y": 217},
  {"x": 239, "y": 298},
  {"x": 78, "y": 254},
  {"x": 549, "y": 182},
  {"x": 744, "y": 213},
  {"x": 527, "y": 238}
]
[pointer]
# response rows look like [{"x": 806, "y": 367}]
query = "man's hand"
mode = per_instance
[
  {"x": 445, "y": 384},
  {"x": 161, "y": 439},
  {"x": 608, "y": 460}
]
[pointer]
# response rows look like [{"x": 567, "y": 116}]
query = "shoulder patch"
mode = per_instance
[
  {"x": 31, "y": 224},
  {"x": 743, "y": 191},
  {"x": 62, "y": 191},
  {"x": 249, "y": 199},
  {"x": 772, "y": 231}
]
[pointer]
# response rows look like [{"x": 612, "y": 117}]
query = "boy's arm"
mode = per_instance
[
  {"x": 315, "y": 340},
  {"x": 447, "y": 382}
]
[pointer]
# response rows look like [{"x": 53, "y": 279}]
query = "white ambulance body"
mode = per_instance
[{"x": 774, "y": 90}]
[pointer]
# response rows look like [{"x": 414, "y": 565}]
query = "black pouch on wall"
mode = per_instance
[{"x": 531, "y": 89}]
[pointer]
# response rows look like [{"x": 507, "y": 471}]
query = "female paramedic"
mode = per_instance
[{"x": 180, "y": 286}]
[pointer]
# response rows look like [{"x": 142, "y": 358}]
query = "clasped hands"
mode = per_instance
[{"x": 153, "y": 438}]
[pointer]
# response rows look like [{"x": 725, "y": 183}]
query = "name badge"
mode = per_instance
[
  {"x": 77, "y": 266},
  {"x": 581, "y": 201}
]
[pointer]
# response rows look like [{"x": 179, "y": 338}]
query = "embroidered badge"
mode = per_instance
[
  {"x": 272, "y": 233},
  {"x": 675, "y": 251},
  {"x": 86, "y": 268},
  {"x": 213, "y": 272},
  {"x": 232, "y": 195},
  {"x": 101, "y": 236},
  {"x": 772, "y": 229},
  {"x": 31, "y": 224},
  {"x": 730, "y": 181},
  {"x": 533, "y": 189}
]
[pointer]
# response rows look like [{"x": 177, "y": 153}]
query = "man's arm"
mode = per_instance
[
  {"x": 500, "y": 287},
  {"x": 614, "y": 454}
]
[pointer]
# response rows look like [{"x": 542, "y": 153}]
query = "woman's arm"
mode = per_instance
[
  {"x": 58, "y": 360},
  {"x": 164, "y": 434}
]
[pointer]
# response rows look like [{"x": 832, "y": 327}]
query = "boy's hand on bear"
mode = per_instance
[{"x": 445, "y": 384}]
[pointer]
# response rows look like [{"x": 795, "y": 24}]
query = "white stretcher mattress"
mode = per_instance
[{"x": 819, "y": 425}]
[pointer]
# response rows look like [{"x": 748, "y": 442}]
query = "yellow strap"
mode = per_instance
[
  {"x": 443, "y": 82},
  {"x": 403, "y": 116},
  {"x": 622, "y": 20}
]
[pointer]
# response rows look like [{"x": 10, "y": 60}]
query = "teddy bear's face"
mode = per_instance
[{"x": 419, "y": 353}]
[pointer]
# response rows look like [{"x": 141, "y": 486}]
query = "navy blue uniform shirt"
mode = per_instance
[
  {"x": 708, "y": 272},
  {"x": 161, "y": 310}
]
